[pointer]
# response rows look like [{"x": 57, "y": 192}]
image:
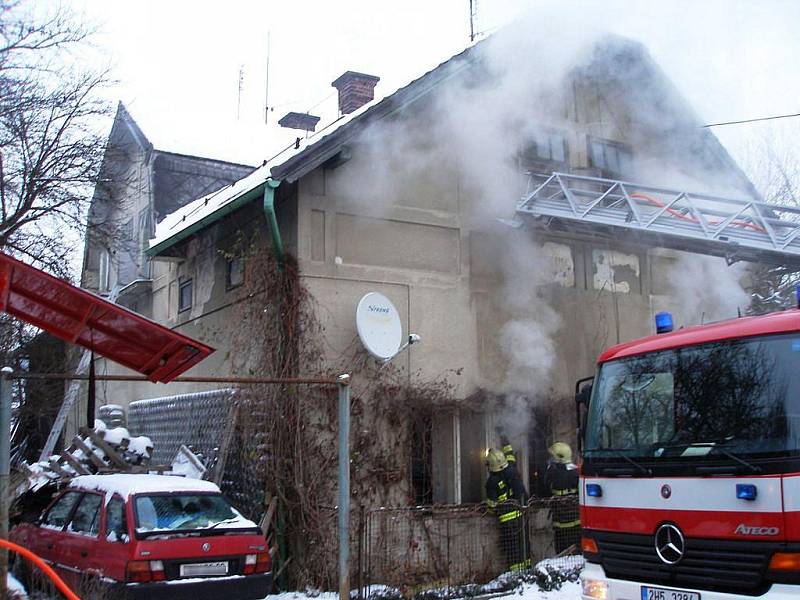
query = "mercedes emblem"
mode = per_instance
[
  {"x": 666, "y": 491},
  {"x": 670, "y": 545}
]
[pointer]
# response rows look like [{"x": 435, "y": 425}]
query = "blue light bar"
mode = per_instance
[
  {"x": 746, "y": 491},
  {"x": 663, "y": 322},
  {"x": 594, "y": 490}
]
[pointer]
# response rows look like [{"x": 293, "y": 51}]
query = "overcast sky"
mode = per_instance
[{"x": 179, "y": 61}]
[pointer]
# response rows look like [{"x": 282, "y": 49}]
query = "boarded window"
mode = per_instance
[{"x": 234, "y": 272}]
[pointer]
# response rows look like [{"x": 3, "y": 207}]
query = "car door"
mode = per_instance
[
  {"x": 114, "y": 545},
  {"x": 44, "y": 539},
  {"x": 81, "y": 535}
]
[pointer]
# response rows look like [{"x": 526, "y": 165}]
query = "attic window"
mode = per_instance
[{"x": 610, "y": 157}]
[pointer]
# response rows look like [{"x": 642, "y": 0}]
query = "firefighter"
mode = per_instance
[
  {"x": 506, "y": 497},
  {"x": 561, "y": 479}
]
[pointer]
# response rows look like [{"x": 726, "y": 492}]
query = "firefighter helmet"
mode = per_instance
[
  {"x": 561, "y": 452},
  {"x": 496, "y": 460}
]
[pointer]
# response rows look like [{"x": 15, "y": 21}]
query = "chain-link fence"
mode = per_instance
[
  {"x": 449, "y": 546},
  {"x": 197, "y": 420}
]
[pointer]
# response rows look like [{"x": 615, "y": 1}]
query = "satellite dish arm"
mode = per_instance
[{"x": 413, "y": 338}]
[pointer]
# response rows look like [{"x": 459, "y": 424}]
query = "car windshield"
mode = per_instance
[
  {"x": 738, "y": 396},
  {"x": 182, "y": 512}
]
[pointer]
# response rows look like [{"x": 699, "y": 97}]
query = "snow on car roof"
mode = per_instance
[{"x": 127, "y": 484}]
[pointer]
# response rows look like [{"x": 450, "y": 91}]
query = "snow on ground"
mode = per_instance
[
  {"x": 529, "y": 591},
  {"x": 15, "y": 588}
]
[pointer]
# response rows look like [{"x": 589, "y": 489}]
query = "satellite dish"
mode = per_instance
[{"x": 378, "y": 325}]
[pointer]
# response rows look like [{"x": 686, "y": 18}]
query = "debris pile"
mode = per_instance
[{"x": 99, "y": 450}]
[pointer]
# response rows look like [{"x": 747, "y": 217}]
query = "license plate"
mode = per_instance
[
  {"x": 204, "y": 569},
  {"x": 655, "y": 593}
]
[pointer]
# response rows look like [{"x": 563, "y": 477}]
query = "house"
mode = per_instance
[
  {"x": 414, "y": 195},
  {"x": 139, "y": 185}
]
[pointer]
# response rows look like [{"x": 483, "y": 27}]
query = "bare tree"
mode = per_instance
[
  {"x": 50, "y": 146},
  {"x": 773, "y": 164}
]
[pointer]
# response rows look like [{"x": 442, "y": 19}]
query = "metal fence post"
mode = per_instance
[
  {"x": 5, "y": 470},
  {"x": 344, "y": 486}
]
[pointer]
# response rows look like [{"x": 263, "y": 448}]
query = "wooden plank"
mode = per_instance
[
  {"x": 224, "y": 449},
  {"x": 266, "y": 520},
  {"x": 105, "y": 447},
  {"x": 95, "y": 460},
  {"x": 56, "y": 468},
  {"x": 70, "y": 460}
]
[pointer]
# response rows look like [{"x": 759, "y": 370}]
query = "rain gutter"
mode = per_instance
[{"x": 272, "y": 219}]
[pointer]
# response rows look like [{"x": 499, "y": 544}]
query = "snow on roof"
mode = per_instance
[
  {"x": 127, "y": 484},
  {"x": 196, "y": 211}
]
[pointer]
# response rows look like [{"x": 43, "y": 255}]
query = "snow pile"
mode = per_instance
[
  {"x": 553, "y": 578},
  {"x": 125, "y": 484},
  {"x": 16, "y": 591}
]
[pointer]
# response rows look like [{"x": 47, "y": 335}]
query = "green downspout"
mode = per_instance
[{"x": 272, "y": 219}]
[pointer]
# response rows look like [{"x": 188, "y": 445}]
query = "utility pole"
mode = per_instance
[
  {"x": 5, "y": 471},
  {"x": 344, "y": 486}
]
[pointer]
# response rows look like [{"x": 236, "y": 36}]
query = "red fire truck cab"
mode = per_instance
[{"x": 690, "y": 485}]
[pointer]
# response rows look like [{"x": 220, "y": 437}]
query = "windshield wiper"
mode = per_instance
[
  {"x": 617, "y": 454},
  {"x": 712, "y": 446}
]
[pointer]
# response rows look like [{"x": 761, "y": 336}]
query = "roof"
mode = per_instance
[
  {"x": 126, "y": 484},
  {"x": 305, "y": 155},
  {"x": 79, "y": 317},
  {"x": 779, "y": 322}
]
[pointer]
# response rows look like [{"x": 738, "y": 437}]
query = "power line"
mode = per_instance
[{"x": 753, "y": 120}]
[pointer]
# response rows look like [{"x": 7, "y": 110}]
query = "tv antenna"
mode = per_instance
[
  {"x": 266, "y": 85},
  {"x": 241, "y": 87},
  {"x": 473, "y": 18}
]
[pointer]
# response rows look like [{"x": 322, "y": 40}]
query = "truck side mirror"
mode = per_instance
[{"x": 583, "y": 394}]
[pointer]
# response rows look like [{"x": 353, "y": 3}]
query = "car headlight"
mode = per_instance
[{"x": 595, "y": 588}]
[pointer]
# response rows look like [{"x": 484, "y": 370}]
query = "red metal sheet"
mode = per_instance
[{"x": 82, "y": 318}]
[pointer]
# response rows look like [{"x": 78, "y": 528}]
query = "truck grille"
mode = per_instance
[{"x": 718, "y": 565}]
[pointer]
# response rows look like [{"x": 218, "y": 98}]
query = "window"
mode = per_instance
[
  {"x": 102, "y": 277},
  {"x": 549, "y": 146},
  {"x": 86, "y": 518},
  {"x": 421, "y": 457},
  {"x": 144, "y": 240},
  {"x": 58, "y": 514},
  {"x": 185, "y": 295},
  {"x": 611, "y": 157},
  {"x": 116, "y": 523},
  {"x": 234, "y": 272}
]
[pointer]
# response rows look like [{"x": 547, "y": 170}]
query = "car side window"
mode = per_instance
[
  {"x": 86, "y": 518},
  {"x": 58, "y": 514},
  {"x": 116, "y": 523}
]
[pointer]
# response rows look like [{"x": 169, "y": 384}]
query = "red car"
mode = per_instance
[{"x": 151, "y": 536}]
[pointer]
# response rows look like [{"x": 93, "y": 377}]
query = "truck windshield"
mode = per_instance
[
  {"x": 165, "y": 513},
  {"x": 737, "y": 396}
]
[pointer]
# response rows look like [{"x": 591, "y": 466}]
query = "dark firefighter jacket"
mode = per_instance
[
  {"x": 562, "y": 480},
  {"x": 505, "y": 494}
]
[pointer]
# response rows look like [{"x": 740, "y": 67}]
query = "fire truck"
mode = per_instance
[{"x": 690, "y": 480}]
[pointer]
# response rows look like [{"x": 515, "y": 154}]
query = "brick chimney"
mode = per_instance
[
  {"x": 294, "y": 120},
  {"x": 355, "y": 90}
]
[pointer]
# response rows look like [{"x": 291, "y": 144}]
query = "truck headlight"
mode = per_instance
[{"x": 595, "y": 588}]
